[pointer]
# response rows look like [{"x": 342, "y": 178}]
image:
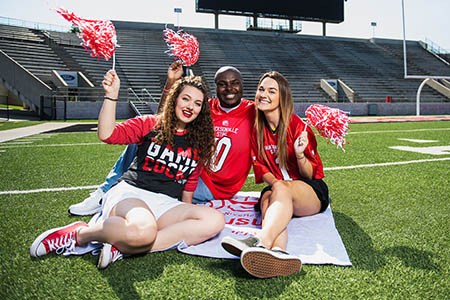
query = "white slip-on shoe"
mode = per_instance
[
  {"x": 235, "y": 247},
  {"x": 264, "y": 263}
]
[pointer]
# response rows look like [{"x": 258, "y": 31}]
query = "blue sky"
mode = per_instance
[{"x": 423, "y": 18}]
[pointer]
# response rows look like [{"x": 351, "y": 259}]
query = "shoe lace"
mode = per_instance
[
  {"x": 67, "y": 247},
  {"x": 116, "y": 254}
]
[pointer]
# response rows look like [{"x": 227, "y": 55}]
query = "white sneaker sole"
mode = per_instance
[
  {"x": 263, "y": 263},
  {"x": 105, "y": 257}
]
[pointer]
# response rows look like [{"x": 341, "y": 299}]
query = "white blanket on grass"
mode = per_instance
[{"x": 314, "y": 239}]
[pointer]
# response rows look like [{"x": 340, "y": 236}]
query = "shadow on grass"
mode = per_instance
[
  {"x": 124, "y": 276},
  {"x": 364, "y": 256},
  {"x": 245, "y": 283},
  {"x": 413, "y": 258}
]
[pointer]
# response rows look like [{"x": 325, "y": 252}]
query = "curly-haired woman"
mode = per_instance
[{"x": 142, "y": 212}]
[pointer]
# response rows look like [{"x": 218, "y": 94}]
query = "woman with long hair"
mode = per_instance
[
  {"x": 143, "y": 212},
  {"x": 285, "y": 157}
]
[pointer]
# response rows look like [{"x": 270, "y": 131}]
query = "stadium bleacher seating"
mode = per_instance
[
  {"x": 29, "y": 50},
  {"x": 372, "y": 68}
]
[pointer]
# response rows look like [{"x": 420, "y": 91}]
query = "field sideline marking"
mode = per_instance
[
  {"x": 387, "y": 164},
  {"x": 50, "y": 190},
  {"x": 400, "y": 130},
  {"x": 250, "y": 175},
  {"x": 4, "y": 146},
  {"x": 381, "y": 164}
]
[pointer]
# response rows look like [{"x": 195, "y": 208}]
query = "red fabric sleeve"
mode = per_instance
[
  {"x": 132, "y": 131},
  {"x": 191, "y": 183}
]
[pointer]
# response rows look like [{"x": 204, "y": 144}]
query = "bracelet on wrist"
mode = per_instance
[{"x": 112, "y": 99}]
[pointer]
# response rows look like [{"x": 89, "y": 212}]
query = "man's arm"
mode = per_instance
[{"x": 174, "y": 73}]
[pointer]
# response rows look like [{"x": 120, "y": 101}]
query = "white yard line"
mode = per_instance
[
  {"x": 250, "y": 175},
  {"x": 381, "y": 164},
  {"x": 387, "y": 164},
  {"x": 4, "y": 146},
  {"x": 15, "y": 143},
  {"x": 400, "y": 130},
  {"x": 50, "y": 190}
]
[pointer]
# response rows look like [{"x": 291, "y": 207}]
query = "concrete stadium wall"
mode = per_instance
[
  {"x": 6, "y": 97},
  {"x": 382, "y": 109},
  {"x": 90, "y": 110}
]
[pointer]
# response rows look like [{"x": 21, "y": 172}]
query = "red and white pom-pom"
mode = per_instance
[
  {"x": 331, "y": 123},
  {"x": 182, "y": 46},
  {"x": 99, "y": 37}
]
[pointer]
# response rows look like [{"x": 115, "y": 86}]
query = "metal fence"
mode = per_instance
[{"x": 33, "y": 25}]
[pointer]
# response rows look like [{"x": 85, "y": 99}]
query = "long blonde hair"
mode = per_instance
[{"x": 286, "y": 109}]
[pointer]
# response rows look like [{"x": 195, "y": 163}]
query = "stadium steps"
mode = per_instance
[
  {"x": 39, "y": 59},
  {"x": 372, "y": 68},
  {"x": 140, "y": 108},
  {"x": 95, "y": 68},
  {"x": 16, "y": 33},
  {"x": 419, "y": 61}
]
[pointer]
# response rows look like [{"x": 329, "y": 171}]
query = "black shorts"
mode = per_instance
[{"x": 319, "y": 186}]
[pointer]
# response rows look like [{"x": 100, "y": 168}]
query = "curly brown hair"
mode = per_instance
[{"x": 200, "y": 132}]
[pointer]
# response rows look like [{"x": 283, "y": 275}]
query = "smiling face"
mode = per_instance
[
  {"x": 188, "y": 105},
  {"x": 268, "y": 95},
  {"x": 228, "y": 88}
]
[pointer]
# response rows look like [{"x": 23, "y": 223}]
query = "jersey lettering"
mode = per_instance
[{"x": 223, "y": 147}]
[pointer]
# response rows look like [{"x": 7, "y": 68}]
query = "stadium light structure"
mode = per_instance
[
  {"x": 425, "y": 78},
  {"x": 373, "y": 24},
  {"x": 178, "y": 11}
]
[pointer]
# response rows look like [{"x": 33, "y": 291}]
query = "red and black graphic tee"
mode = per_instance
[{"x": 156, "y": 167}]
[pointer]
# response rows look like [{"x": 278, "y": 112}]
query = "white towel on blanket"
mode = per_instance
[{"x": 314, "y": 239}]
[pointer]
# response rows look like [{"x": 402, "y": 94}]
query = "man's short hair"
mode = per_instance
[{"x": 225, "y": 69}]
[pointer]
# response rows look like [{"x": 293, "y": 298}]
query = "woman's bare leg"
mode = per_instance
[
  {"x": 191, "y": 223},
  {"x": 286, "y": 199},
  {"x": 131, "y": 228}
]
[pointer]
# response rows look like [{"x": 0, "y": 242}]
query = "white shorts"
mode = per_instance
[{"x": 157, "y": 202}]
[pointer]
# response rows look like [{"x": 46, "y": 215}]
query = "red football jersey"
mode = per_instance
[
  {"x": 261, "y": 167},
  {"x": 233, "y": 160}
]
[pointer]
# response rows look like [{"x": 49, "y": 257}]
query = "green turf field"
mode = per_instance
[{"x": 394, "y": 220}]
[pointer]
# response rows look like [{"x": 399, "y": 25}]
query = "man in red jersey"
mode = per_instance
[{"x": 233, "y": 119}]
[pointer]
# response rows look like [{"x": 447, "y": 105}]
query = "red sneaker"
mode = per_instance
[
  {"x": 108, "y": 255},
  {"x": 56, "y": 240}
]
